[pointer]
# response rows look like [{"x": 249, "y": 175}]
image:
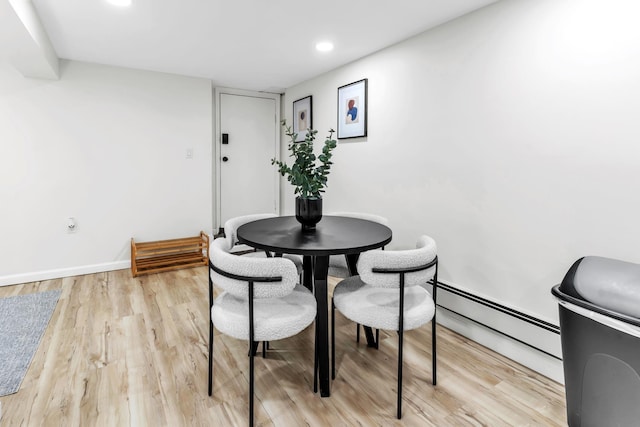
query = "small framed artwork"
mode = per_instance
[
  {"x": 352, "y": 110},
  {"x": 302, "y": 117}
]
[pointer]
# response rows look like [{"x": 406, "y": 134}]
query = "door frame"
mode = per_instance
[{"x": 217, "y": 161}]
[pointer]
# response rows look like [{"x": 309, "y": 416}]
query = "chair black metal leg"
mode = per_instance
[
  {"x": 252, "y": 349},
  {"x": 433, "y": 325},
  {"x": 265, "y": 345},
  {"x": 400, "y": 344},
  {"x": 433, "y": 350},
  {"x": 210, "y": 358},
  {"x": 251, "y": 389},
  {"x": 377, "y": 339},
  {"x": 333, "y": 340},
  {"x": 358, "y": 333},
  {"x": 210, "y": 331},
  {"x": 400, "y": 374}
]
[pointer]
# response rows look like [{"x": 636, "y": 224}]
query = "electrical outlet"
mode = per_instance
[
  {"x": 189, "y": 154},
  {"x": 72, "y": 225}
]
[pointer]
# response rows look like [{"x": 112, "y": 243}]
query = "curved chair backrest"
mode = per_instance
[
  {"x": 425, "y": 252},
  {"x": 231, "y": 226},
  {"x": 363, "y": 215},
  {"x": 246, "y": 268}
]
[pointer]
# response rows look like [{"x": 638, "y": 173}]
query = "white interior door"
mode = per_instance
[{"x": 248, "y": 138}]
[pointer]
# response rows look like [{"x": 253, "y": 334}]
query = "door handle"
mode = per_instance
[{"x": 225, "y": 158}]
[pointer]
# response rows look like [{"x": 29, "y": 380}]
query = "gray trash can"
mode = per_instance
[{"x": 599, "y": 306}]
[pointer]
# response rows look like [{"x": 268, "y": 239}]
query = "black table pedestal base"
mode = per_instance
[{"x": 320, "y": 266}]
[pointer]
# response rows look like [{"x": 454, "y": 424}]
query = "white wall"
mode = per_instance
[
  {"x": 510, "y": 135},
  {"x": 107, "y": 146}
]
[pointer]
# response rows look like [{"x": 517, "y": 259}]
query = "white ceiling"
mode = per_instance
[{"x": 249, "y": 44}]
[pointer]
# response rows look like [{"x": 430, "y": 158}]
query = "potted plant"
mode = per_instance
[{"x": 308, "y": 178}]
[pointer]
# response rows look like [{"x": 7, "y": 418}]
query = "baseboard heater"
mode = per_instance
[{"x": 544, "y": 336}]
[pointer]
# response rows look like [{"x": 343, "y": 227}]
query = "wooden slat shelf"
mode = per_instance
[{"x": 172, "y": 254}]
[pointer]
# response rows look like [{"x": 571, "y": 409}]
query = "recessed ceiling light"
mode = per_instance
[
  {"x": 120, "y": 3},
  {"x": 324, "y": 46}
]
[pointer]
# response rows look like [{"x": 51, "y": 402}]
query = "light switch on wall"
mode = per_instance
[{"x": 189, "y": 153}]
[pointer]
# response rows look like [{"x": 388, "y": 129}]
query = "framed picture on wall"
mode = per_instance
[
  {"x": 302, "y": 117},
  {"x": 352, "y": 110}
]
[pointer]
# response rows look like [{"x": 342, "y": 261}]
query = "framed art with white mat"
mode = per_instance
[{"x": 352, "y": 110}]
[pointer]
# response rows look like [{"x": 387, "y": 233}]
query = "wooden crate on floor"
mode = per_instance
[{"x": 165, "y": 255}]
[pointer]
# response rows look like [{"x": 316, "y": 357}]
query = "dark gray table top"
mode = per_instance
[{"x": 333, "y": 235}]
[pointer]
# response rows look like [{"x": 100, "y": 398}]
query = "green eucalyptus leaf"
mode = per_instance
[{"x": 308, "y": 179}]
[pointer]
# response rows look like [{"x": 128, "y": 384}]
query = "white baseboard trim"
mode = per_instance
[
  {"x": 529, "y": 341},
  {"x": 63, "y": 272}
]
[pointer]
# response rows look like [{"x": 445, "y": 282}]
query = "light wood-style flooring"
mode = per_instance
[{"x": 121, "y": 351}]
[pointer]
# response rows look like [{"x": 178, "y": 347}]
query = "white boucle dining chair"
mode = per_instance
[
  {"x": 231, "y": 235},
  {"x": 261, "y": 300},
  {"x": 387, "y": 294},
  {"x": 231, "y": 227},
  {"x": 338, "y": 263}
]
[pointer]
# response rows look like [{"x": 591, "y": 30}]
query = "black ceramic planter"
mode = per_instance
[{"x": 308, "y": 212}]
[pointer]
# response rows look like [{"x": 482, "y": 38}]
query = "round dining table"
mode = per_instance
[{"x": 333, "y": 235}]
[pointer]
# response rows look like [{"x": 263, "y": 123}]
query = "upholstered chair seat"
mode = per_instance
[
  {"x": 379, "y": 307},
  {"x": 273, "y": 318}
]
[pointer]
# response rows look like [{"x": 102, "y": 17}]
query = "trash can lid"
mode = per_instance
[{"x": 608, "y": 283}]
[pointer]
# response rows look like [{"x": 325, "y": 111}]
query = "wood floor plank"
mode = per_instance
[{"x": 124, "y": 351}]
